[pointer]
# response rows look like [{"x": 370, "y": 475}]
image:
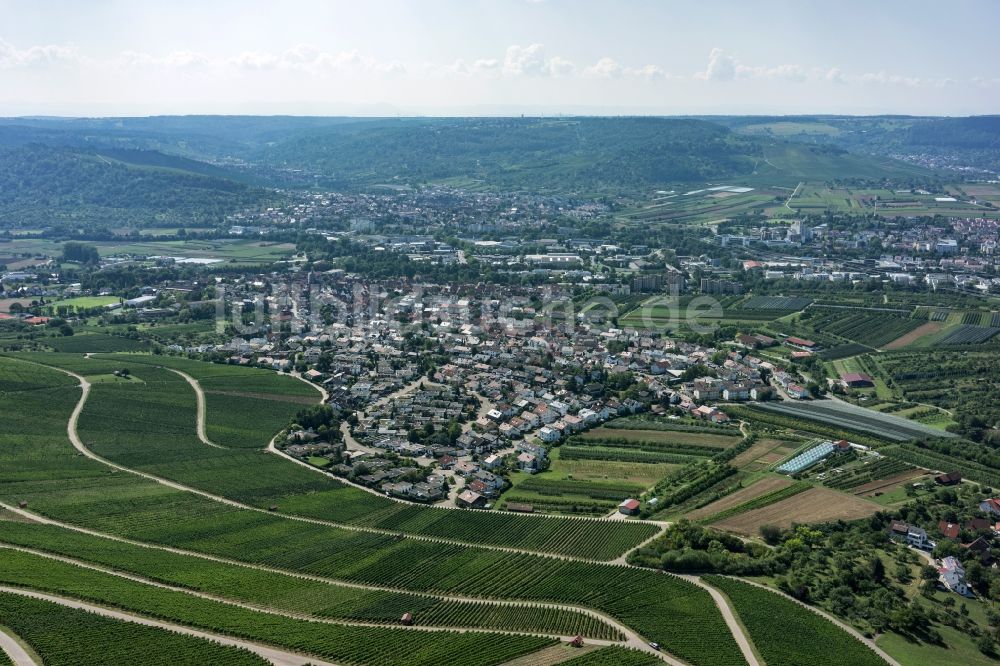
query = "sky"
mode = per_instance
[{"x": 498, "y": 57}]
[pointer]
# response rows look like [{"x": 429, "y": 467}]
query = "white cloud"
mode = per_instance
[
  {"x": 527, "y": 60},
  {"x": 49, "y": 54},
  {"x": 531, "y": 61},
  {"x": 721, "y": 67},
  {"x": 605, "y": 68},
  {"x": 558, "y": 66},
  {"x": 651, "y": 72}
]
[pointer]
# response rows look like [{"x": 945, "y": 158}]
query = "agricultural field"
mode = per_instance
[
  {"x": 961, "y": 382},
  {"x": 705, "y": 439},
  {"x": 264, "y": 588},
  {"x": 758, "y": 502},
  {"x": 757, "y": 489},
  {"x": 64, "y": 636},
  {"x": 95, "y": 342},
  {"x": 45, "y": 472},
  {"x": 815, "y": 505},
  {"x": 869, "y": 328},
  {"x": 764, "y": 453},
  {"x": 149, "y": 426},
  {"x": 782, "y": 303},
  {"x": 71, "y": 305},
  {"x": 969, "y": 335},
  {"x": 642, "y": 474},
  {"x": 786, "y": 634},
  {"x": 236, "y": 251}
]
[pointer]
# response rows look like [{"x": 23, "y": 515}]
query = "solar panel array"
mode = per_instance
[{"x": 807, "y": 459}]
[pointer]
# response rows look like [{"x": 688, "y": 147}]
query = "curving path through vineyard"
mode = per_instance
[
  {"x": 746, "y": 647},
  {"x": 15, "y": 650},
  {"x": 273, "y": 655},
  {"x": 300, "y": 616},
  {"x": 72, "y": 431},
  {"x": 846, "y": 627},
  {"x": 632, "y": 639}
]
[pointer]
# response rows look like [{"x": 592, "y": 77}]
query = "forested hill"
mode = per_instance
[
  {"x": 58, "y": 186},
  {"x": 573, "y": 155},
  {"x": 578, "y": 154}
]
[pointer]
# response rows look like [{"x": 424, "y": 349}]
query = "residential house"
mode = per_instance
[{"x": 953, "y": 575}]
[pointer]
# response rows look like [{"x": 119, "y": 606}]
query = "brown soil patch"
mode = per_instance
[
  {"x": 762, "y": 487},
  {"x": 918, "y": 332},
  {"x": 817, "y": 505},
  {"x": 299, "y": 400},
  {"x": 759, "y": 448},
  {"x": 887, "y": 483}
]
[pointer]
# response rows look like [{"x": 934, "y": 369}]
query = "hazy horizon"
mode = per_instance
[{"x": 501, "y": 57}]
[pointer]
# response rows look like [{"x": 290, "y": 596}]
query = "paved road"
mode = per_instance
[
  {"x": 21, "y": 657},
  {"x": 273, "y": 655}
]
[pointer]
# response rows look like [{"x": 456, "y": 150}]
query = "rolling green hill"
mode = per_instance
[{"x": 46, "y": 185}]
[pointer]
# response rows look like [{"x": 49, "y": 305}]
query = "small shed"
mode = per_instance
[
  {"x": 273, "y": 507},
  {"x": 407, "y": 619},
  {"x": 23, "y": 504},
  {"x": 577, "y": 641},
  {"x": 629, "y": 507}
]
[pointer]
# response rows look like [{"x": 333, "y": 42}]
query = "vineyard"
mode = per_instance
[
  {"x": 785, "y": 303},
  {"x": 64, "y": 636},
  {"x": 786, "y": 634},
  {"x": 868, "y": 328},
  {"x": 149, "y": 426},
  {"x": 361, "y": 646},
  {"x": 969, "y": 335},
  {"x": 297, "y": 595},
  {"x": 614, "y": 656},
  {"x": 44, "y": 471}
]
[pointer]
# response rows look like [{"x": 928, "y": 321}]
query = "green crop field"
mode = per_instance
[
  {"x": 44, "y": 471},
  {"x": 64, "y": 636},
  {"x": 263, "y": 588},
  {"x": 786, "y": 634}
]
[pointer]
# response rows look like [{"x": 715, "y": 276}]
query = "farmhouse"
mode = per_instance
[
  {"x": 856, "y": 380},
  {"x": 800, "y": 342},
  {"x": 949, "y": 479}
]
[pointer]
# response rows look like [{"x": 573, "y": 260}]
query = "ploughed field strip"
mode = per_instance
[
  {"x": 39, "y": 466},
  {"x": 64, "y": 636},
  {"x": 148, "y": 424}
]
